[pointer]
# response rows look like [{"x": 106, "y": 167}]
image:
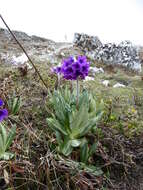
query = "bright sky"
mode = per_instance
[{"x": 110, "y": 20}]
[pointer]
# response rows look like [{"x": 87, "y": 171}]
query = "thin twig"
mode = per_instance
[{"x": 23, "y": 51}]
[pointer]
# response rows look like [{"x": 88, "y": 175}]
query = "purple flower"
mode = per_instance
[
  {"x": 70, "y": 60},
  {"x": 68, "y": 71},
  {"x": 73, "y": 69},
  {"x": 56, "y": 70},
  {"x": 85, "y": 68},
  {"x": 81, "y": 59},
  {"x": 1, "y": 102},
  {"x": 76, "y": 65},
  {"x": 3, "y": 112}
]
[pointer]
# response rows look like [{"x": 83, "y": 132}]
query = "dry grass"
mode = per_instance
[{"x": 37, "y": 165}]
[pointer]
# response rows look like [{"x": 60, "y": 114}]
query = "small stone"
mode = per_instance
[
  {"x": 105, "y": 83},
  {"x": 89, "y": 78},
  {"x": 117, "y": 85},
  {"x": 95, "y": 70}
]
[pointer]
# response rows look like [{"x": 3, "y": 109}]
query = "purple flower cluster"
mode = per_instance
[
  {"x": 72, "y": 69},
  {"x": 3, "y": 112}
]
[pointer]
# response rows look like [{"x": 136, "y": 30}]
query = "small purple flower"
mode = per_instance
[
  {"x": 81, "y": 59},
  {"x": 71, "y": 60},
  {"x": 85, "y": 67},
  {"x": 3, "y": 112},
  {"x": 1, "y": 102},
  {"x": 76, "y": 65},
  {"x": 56, "y": 70},
  {"x": 69, "y": 70}
]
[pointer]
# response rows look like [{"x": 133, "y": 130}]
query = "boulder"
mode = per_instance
[
  {"x": 86, "y": 42},
  {"x": 124, "y": 53}
]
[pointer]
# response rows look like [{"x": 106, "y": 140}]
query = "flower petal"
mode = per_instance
[
  {"x": 1, "y": 102},
  {"x": 3, "y": 114}
]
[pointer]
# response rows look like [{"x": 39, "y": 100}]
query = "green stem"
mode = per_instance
[
  {"x": 59, "y": 80},
  {"x": 77, "y": 93}
]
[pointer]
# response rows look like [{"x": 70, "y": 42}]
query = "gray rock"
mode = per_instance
[
  {"x": 124, "y": 54},
  {"x": 86, "y": 42}
]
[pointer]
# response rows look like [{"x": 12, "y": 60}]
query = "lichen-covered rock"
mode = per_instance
[
  {"x": 124, "y": 54},
  {"x": 86, "y": 42}
]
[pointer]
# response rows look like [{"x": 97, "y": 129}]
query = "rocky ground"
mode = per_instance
[
  {"x": 116, "y": 78},
  {"x": 39, "y": 49}
]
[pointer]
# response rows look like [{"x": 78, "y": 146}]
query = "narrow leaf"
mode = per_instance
[
  {"x": 3, "y": 134},
  {"x": 10, "y": 137},
  {"x": 55, "y": 125},
  {"x": 66, "y": 147},
  {"x": 84, "y": 152}
]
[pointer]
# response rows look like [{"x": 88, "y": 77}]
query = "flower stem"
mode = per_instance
[
  {"x": 77, "y": 94},
  {"x": 59, "y": 80}
]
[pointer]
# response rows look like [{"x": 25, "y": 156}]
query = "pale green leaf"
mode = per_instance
[
  {"x": 10, "y": 137},
  {"x": 66, "y": 147},
  {"x": 84, "y": 152},
  {"x": 2, "y": 148},
  {"x": 75, "y": 142},
  {"x": 6, "y": 156},
  {"x": 55, "y": 125},
  {"x": 3, "y": 134}
]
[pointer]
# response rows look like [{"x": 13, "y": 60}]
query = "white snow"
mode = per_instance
[
  {"x": 96, "y": 70},
  {"x": 105, "y": 82},
  {"x": 118, "y": 85},
  {"x": 20, "y": 60},
  {"x": 89, "y": 78}
]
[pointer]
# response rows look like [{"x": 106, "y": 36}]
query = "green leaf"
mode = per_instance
[
  {"x": 86, "y": 127},
  {"x": 16, "y": 105},
  {"x": 55, "y": 125},
  {"x": 6, "y": 156},
  {"x": 84, "y": 99},
  {"x": 75, "y": 142},
  {"x": 59, "y": 106},
  {"x": 2, "y": 150},
  {"x": 84, "y": 152},
  {"x": 93, "y": 149},
  {"x": 92, "y": 104},
  {"x": 79, "y": 121},
  {"x": 66, "y": 147},
  {"x": 94, "y": 170},
  {"x": 58, "y": 137},
  {"x": 3, "y": 134},
  {"x": 10, "y": 137},
  {"x": 67, "y": 95}
]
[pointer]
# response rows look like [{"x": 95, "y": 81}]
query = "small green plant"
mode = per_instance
[
  {"x": 14, "y": 105},
  {"x": 6, "y": 141},
  {"x": 69, "y": 123}
]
